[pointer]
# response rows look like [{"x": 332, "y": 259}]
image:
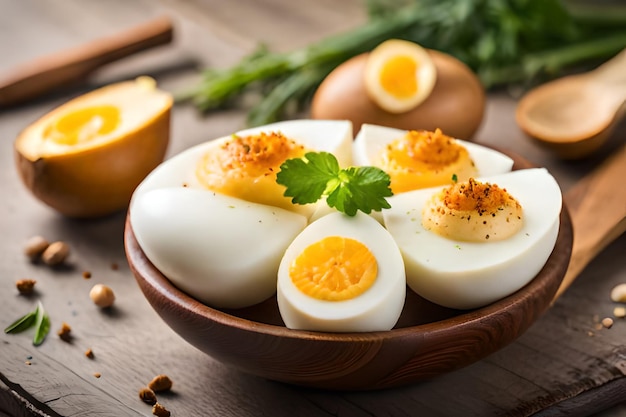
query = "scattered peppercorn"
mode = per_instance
[
  {"x": 97, "y": 374},
  {"x": 114, "y": 266},
  {"x": 25, "y": 286},
  {"x": 65, "y": 332},
  {"x": 89, "y": 353},
  {"x": 607, "y": 322},
  {"x": 147, "y": 396},
  {"x": 160, "y": 411},
  {"x": 619, "y": 312},
  {"x": 160, "y": 383},
  {"x": 102, "y": 296},
  {"x": 86, "y": 274},
  {"x": 28, "y": 363},
  {"x": 35, "y": 246},
  {"x": 56, "y": 253}
]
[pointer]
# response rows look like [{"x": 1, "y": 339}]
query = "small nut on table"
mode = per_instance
[
  {"x": 147, "y": 396},
  {"x": 102, "y": 296},
  {"x": 35, "y": 246},
  {"x": 618, "y": 294},
  {"x": 160, "y": 411},
  {"x": 56, "y": 253},
  {"x": 65, "y": 332},
  {"x": 25, "y": 286},
  {"x": 160, "y": 383}
]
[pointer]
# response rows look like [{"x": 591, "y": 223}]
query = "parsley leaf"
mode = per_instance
[
  {"x": 37, "y": 318},
  {"x": 348, "y": 190}
]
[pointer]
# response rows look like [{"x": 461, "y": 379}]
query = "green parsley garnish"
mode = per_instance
[
  {"x": 318, "y": 175},
  {"x": 38, "y": 318},
  {"x": 455, "y": 179}
]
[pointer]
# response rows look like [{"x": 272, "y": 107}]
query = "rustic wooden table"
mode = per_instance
[{"x": 564, "y": 365}]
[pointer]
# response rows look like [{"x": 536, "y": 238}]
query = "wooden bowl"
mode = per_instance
[{"x": 429, "y": 340}]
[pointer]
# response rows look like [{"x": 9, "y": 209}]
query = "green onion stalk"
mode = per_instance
[{"x": 504, "y": 42}]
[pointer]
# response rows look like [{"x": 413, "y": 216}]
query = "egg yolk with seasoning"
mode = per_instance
[
  {"x": 423, "y": 159},
  {"x": 83, "y": 125},
  {"x": 334, "y": 269},
  {"x": 473, "y": 211},
  {"x": 245, "y": 167}
]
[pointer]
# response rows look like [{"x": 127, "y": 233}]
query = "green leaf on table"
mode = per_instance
[
  {"x": 42, "y": 325},
  {"x": 23, "y": 323},
  {"x": 37, "y": 318}
]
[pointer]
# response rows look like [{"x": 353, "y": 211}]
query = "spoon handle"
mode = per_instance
[
  {"x": 613, "y": 71},
  {"x": 71, "y": 65},
  {"x": 597, "y": 206}
]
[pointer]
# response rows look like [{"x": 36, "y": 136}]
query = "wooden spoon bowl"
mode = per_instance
[
  {"x": 574, "y": 116},
  {"x": 429, "y": 340}
]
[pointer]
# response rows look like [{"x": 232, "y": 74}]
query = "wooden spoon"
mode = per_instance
[
  {"x": 597, "y": 207},
  {"x": 574, "y": 115},
  {"x": 72, "y": 65}
]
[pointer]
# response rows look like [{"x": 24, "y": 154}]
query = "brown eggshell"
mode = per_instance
[{"x": 456, "y": 105}]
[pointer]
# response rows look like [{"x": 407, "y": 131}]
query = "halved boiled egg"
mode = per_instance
[
  {"x": 472, "y": 243},
  {"x": 399, "y": 75},
  {"x": 224, "y": 251},
  {"x": 245, "y": 164},
  {"x": 342, "y": 274},
  {"x": 421, "y": 159},
  {"x": 86, "y": 157}
]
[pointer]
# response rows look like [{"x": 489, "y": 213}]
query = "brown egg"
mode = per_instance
[{"x": 456, "y": 104}]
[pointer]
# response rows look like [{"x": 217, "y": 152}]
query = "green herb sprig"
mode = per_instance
[
  {"x": 348, "y": 190},
  {"x": 502, "y": 41},
  {"x": 37, "y": 318}
]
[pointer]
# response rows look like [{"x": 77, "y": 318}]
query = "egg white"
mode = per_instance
[
  {"x": 221, "y": 250},
  {"x": 378, "y": 308},
  {"x": 466, "y": 275},
  {"x": 372, "y": 140}
]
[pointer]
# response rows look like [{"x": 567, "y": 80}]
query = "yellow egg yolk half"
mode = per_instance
[
  {"x": 246, "y": 167},
  {"x": 473, "y": 211},
  {"x": 334, "y": 269},
  {"x": 397, "y": 76},
  {"x": 422, "y": 159},
  {"x": 83, "y": 125}
]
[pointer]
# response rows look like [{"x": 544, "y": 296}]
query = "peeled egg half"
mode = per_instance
[
  {"x": 468, "y": 272},
  {"x": 245, "y": 164},
  {"x": 427, "y": 165},
  {"x": 221, "y": 250},
  {"x": 342, "y": 274},
  {"x": 399, "y": 75}
]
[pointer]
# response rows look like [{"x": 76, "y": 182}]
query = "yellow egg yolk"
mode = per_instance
[
  {"x": 334, "y": 269},
  {"x": 397, "y": 76},
  {"x": 473, "y": 211},
  {"x": 83, "y": 125},
  {"x": 422, "y": 159},
  {"x": 246, "y": 166}
]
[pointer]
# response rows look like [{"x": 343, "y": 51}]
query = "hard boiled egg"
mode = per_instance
[
  {"x": 224, "y": 251},
  {"x": 245, "y": 164},
  {"x": 449, "y": 236},
  {"x": 421, "y": 159},
  {"x": 342, "y": 274},
  {"x": 399, "y": 75}
]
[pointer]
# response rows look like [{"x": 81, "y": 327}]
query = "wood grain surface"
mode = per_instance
[{"x": 566, "y": 364}]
